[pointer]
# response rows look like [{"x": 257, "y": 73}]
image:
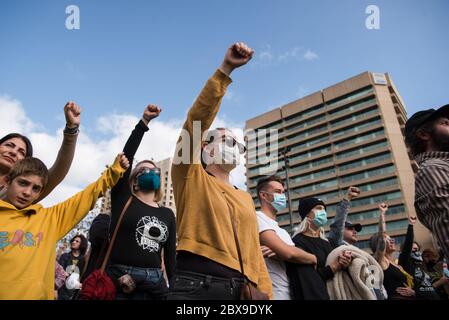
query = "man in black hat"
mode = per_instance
[
  {"x": 427, "y": 136},
  {"x": 350, "y": 233}
]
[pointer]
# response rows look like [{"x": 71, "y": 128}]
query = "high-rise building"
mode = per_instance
[
  {"x": 166, "y": 184},
  {"x": 349, "y": 134}
]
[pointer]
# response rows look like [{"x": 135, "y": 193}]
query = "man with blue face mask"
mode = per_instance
[{"x": 276, "y": 242}]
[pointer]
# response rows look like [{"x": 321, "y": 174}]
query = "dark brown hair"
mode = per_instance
[
  {"x": 263, "y": 183},
  {"x": 29, "y": 166}
]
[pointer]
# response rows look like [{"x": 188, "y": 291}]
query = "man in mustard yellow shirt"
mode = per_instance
[{"x": 207, "y": 261}]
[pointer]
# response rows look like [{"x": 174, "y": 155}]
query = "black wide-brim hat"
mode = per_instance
[{"x": 421, "y": 117}]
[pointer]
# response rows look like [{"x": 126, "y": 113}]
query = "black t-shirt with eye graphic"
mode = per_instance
[
  {"x": 142, "y": 235},
  {"x": 144, "y": 230}
]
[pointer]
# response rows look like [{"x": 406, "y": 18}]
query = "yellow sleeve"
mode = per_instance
[
  {"x": 69, "y": 213},
  {"x": 199, "y": 120}
]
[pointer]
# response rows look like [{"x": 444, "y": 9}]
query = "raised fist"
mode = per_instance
[
  {"x": 412, "y": 220},
  {"x": 236, "y": 56},
  {"x": 383, "y": 207},
  {"x": 151, "y": 111},
  {"x": 72, "y": 114},
  {"x": 353, "y": 192},
  {"x": 123, "y": 160}
]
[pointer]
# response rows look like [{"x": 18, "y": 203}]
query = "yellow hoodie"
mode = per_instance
[{"x": 28, "y": 237}]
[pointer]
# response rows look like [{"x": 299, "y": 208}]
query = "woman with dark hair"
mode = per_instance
[
  {"x": 147, "y": 233},
  {"x": 73, "y": 263},
  {"x": 14, "y": 147}
]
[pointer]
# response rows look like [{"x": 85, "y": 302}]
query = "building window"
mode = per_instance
[
  {"x": 365, "y": 149},
  {"x": 360, "y": 138},
  {"x": 366, "y": 161}
]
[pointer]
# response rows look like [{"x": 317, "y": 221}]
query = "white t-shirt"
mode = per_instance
[{"x": 276, "y": 268}]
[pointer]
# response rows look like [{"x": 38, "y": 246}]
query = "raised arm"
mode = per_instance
[
  {"x": 404, "y": 256},
  {"x": 381, "y": 245},
  {"x": 63, "y": 161},
  {"x": 130, "y": 149},
  {"x": 68, "y": 213},
  {"x": 337, "y": 227},
  {"x": 204, "y": 110}
]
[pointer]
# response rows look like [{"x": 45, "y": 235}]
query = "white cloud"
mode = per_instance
[
  {"x": 310, "y": 55},
  {"x": 268, "y": 56},
  {"x": 13, "y": 117},
  {"x": 91, "y": 154}
]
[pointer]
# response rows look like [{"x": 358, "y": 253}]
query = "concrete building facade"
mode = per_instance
[{"x": 349, "y": 134}]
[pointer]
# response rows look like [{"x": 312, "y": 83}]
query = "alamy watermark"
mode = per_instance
[
  {"x": 372, "y": 22},
  {"x": 73, "y": 22}
]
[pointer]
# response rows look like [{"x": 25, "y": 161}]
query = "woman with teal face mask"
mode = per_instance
[
  {"x": 307, "y": 282},
  {"x": 136, "y": 263}
]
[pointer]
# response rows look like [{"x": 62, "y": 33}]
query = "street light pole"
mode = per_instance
[{"x": 286, "y": 166}]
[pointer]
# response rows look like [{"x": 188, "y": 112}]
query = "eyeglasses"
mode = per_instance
[
  {"x": 231, "y": 142},
  {"x": 148, "y": 170}
]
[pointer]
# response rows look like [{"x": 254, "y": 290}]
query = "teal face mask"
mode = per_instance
[
  {"x": 279, "y": 202},
  {"x": 320, "y": 219},
  {"x": 149, "y": 180}
]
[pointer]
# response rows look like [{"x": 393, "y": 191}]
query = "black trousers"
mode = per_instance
[{"x": 189, "y": 285}]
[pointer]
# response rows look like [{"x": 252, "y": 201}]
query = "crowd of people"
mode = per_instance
[{"x": 218, "y": 243}]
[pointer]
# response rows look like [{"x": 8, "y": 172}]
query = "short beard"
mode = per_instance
[{"x": 440, "y": 141}]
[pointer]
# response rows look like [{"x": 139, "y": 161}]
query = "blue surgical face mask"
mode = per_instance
[
  {"x": 320, "y": 219},
  {"x": 279, "y": 202},
  {"x": 148, "y": 181}
]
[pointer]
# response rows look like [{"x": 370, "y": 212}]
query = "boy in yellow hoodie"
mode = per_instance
[{"x": 29, "y": 232}]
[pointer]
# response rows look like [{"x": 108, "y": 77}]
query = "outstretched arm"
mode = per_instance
[
  {"x": 68, "y": 213},
  {"x": 63, "y": 161},
  {"x": 337, "y": 227},
  {"x": 381, "y": 245},
  {"x": 404, "y": 256},
  {"x": 204, "y": 110},
  {"x": 121, "y": 189}
]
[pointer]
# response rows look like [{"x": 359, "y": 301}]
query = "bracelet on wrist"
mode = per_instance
[{"x": 73, "y": 130}]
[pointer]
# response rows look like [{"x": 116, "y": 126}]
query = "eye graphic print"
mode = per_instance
[{"x": 151, "y": 233}]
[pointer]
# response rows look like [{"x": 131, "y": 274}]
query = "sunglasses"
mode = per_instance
[
  {"x": 148, "y": 170},
  {"x": 231, "y": 142}
]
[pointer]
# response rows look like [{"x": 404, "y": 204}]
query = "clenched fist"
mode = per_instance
[
  {"x": 383, "y": 207},
  {"x": 236, "y": 56},
  {"x": 123, "y": 160},
  {"x": 151, "y": 111},
  {"x": 72, "y": 114},
  {"x": 353, "y": 192}
]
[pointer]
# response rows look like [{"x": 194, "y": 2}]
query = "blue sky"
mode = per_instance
[{"x": 131, "y": 53}]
